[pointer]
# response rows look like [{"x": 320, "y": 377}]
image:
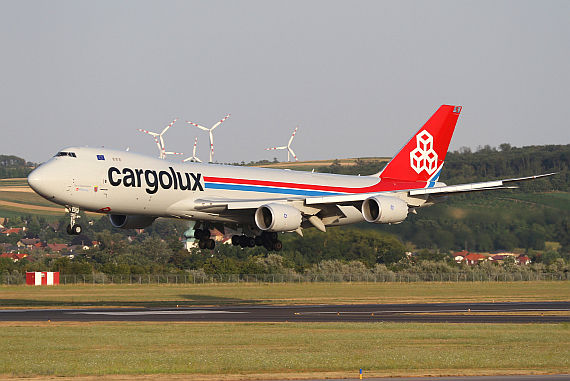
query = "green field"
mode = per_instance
[
  {"x": 556, "y": 200},
  {"x": 279, "y": 293},
  {"x": 238, "y": 351},
  {"x": 282, "y": 350}
]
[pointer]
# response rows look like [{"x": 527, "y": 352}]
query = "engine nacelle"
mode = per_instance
[
  {"x": 130, "y": 221},
  {"x": 278, "y": 218},
  {"x": 384, "y": 210}
]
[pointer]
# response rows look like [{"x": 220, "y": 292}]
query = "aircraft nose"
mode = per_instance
[{"x": 42, "y": 181}]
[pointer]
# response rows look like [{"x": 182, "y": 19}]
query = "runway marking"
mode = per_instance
[
  {"x": 142, "y": 313},
  {"x": 428, "y": 311}
]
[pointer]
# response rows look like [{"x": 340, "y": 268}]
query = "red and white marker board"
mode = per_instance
[{"x": 42, "y": 278}]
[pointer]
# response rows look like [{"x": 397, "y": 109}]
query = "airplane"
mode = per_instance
[{"x": 134, "y": 190}]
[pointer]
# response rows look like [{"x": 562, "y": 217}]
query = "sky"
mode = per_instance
[{"x": 359, "y": 78}]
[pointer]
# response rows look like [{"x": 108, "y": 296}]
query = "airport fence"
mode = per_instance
[{"x": 198, "y": 277}]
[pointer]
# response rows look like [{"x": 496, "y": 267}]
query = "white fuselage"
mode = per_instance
[{"x": 121, "y": 182}]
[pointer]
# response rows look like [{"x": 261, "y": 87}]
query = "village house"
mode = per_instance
[
  {"x": 474, "y": 258},
  {"x": 57, "y": 247},
  {"x": 522, "y": 260},
  {"x": 14, "y": 256},
  {"x": 12, "y": 231},
  {"x": 459, "y": 256}
]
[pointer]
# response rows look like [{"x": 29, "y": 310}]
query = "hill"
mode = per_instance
[{"x": 14, "y": 167}]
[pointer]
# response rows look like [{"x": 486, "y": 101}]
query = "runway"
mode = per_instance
[{"x": 534, "y": 312}]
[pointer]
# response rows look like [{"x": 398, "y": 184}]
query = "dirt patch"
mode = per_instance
[
  {"x": 33, "y": 207},
  {"x": 17, "y": 189}
]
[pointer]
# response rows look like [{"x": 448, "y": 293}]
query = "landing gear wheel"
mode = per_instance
[
  {"x": 198, "y": 233},
  {"x": 277, "y": 245},
  {"x": 250, "y": 241},
  {"x": 206, "y": 234},
  {"x": 73, "y": 228},
  {"x": 210, "y": 244},
  {"x": 76, "y": 229},
  {"x": 235, "y": 240},
  {"x": 202, "y": 244}
]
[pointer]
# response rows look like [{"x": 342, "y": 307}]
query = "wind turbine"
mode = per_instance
[
  {"x": 210, "y": 132},
  {"x": 164, "y": 153},
  {"x": 159, "y": 140},
  {"x": 193, "y": 157},
  {"x": 287, "y": 147}
]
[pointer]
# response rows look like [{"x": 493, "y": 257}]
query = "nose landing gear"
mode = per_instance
[{"x": 73, "y": 228}]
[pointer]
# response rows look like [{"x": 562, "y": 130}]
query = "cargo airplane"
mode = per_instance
[{"x": 135, "y": 189}]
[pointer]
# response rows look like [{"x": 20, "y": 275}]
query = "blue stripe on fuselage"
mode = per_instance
[{"x": 254, "y": 188}]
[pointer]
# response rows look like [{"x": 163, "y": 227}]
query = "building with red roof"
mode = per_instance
[{"x": 473, "y": 258}]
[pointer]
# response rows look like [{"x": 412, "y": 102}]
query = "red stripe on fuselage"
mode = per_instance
[{"x": 380, "y": 186}]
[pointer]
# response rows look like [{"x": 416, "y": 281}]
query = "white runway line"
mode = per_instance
[{"x": 142, "y": 313}]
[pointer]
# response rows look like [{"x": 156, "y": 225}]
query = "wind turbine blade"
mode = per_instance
[
  {"x": 167, "y": 127},
  {"x": 220, "y": 122},
  {"x": 273, "y": 148},
  {"x": 198, "y": 160},
  {"x": 211, "y": 146},
  {"x": 197, "y": 125},
  {"x": 158, "y": 146},
  {"x": 293, "y": 153},
  {"x": 194, "y": 149},
  {"x": 148, "y": 132},
  {"x": 292, "y": 136},
  {"x": 162, "y": 142}
]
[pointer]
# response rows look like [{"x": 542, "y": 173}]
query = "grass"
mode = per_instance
[
  {"x": 279, "y": 293},
  {"x": 291, "y": 349},
  {"x": 556, "y": 200},
  {"x": 25, "y": 198},
  {"x": 15, "y": 182}
]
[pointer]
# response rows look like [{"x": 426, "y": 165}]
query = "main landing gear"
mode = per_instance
[
  {"x": 74, "y": 228},
  {"x": 204, "y": 240},
  {"x": 266, "y": 239}
]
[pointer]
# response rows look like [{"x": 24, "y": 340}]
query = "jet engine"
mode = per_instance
[
  {"x": 131, "y": 221},
  {"x": 384, "y": 210},
  {"x": 277, "y": 218}
]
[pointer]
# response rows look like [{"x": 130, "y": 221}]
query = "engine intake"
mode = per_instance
[
  {"x": 131, "y": 221},
  {"x": 277, "y": 218},
  {"x": 384, "y": 210}
]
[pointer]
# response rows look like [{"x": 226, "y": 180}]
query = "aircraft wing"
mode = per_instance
[
  {"x": 237, "y": 204},
  {"x": 472, "y": 187}
]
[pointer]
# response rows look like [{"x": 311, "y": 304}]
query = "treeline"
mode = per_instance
[
  {"x": 486, "y": 163},
  {"x": 14, "y": 167},
  {"x": 158, "y": 250},
  {"x": 485, "y": 225}
]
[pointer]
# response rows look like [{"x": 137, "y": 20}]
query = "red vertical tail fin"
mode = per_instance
[{"x": 422, "y": 157}]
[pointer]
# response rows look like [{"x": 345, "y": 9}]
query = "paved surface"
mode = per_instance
[{"x": 536, "y": 312}]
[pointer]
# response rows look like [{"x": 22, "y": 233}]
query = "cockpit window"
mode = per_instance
[{"x": 63, "y": 153}]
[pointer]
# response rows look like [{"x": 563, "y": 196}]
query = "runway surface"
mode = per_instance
[{"x": 535, "y": 312}]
